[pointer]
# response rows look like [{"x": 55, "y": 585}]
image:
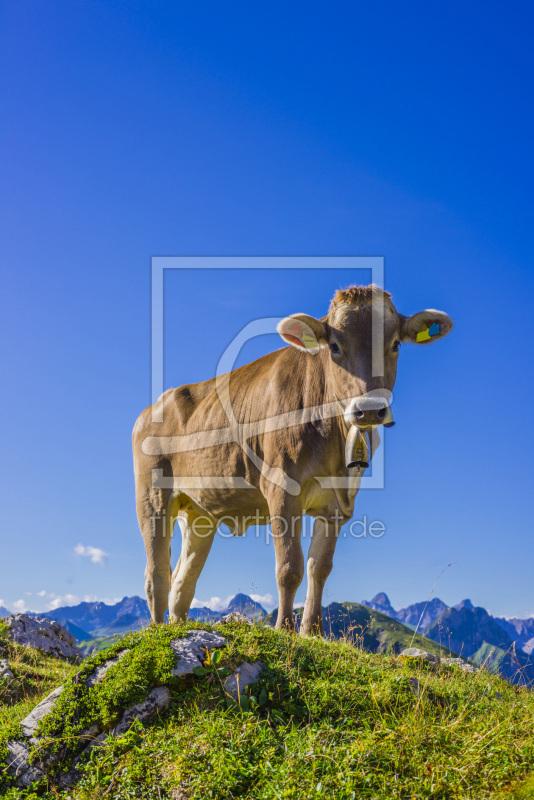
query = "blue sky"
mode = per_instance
[{"x": 139, "y": 129}]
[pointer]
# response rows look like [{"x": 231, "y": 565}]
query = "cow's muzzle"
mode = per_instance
[{"x": 369, "y": 412}]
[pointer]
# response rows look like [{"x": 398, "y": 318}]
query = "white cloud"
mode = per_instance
[
  {"x": 215, "y": 603},
  {"x": 60, "y": 600},
  {"x": 519, "y": 615},
  {"x": 53, "y": 601},
  {"x": 93, "y": 598},
  {"x": 265, "y": 600},
  {"x": 96, "y": 555}
]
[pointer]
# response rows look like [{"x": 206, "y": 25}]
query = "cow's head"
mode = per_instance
[{"x": 362, "y": 333}]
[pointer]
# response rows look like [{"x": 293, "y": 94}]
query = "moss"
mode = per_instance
[{"x": 147, "y": 664}]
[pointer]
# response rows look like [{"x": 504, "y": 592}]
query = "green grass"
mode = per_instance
[{"x": 326, "y": 720}]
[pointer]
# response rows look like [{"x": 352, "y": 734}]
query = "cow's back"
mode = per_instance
[{"x": 273, "y": 384}]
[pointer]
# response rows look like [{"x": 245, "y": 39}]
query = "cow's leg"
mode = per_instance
[
  {"x": 319, "y": 567},
  {"x": 198, "y": 533},
  {"x": 286, "y": 528},
  {"x": 156, "y": 523}
]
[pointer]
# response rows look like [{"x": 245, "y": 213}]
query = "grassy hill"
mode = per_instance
[
  {"x": 326, "y": 720},
  {"x": 368, "y": 629},
  {"x": 97, "y": 644}
]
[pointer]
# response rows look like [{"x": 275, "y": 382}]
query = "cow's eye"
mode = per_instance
[
  {"x": 335, "y": 348},
  {"x": 395, "y": 346}
]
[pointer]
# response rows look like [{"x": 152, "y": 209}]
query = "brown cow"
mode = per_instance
[{"x": 281, "y": 437}]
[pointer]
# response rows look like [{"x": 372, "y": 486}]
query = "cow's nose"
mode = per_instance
[
  {"x": 371, "y": 416},
  {"x": 368, "y": 411}
]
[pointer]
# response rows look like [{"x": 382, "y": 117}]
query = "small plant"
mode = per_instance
[
  {"x": 210, "y": 667},
  {"x": 214, "y": 673}
]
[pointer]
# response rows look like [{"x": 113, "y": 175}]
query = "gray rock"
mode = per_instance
[
  {"x": 461, "y": 663},
  {"x": 191, "y": 650},
  {"x": 469, "y": 668},
  {"x": 5, "y": 670},
  {"x": 247, "y": 673},
  {"x": 89, "y": 734},
  {"x": 157, "y": 701},
  {"x": 423, "y": 655},
  {"x": 96, "y": 741},
  {"x": 73, "y": 775},
  {"x": 69, "y": 778},
  {"x": 99, "y": 673},
  {"x": 44, "y": 634},
  {"x": 457, "y": 662},
  {"x": 415, "y": 686},
  {"x": 30, "y": 723},
  {"x": 235, "y": 616},
  {"x": 19, "y": 765}
]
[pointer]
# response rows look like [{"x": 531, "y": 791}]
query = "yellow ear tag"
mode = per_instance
[
  {"x": 309, "y": 340},
  {"x": 423, "y": 335}
]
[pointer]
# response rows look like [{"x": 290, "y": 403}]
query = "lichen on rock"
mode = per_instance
[{"x": 44, "y": 634}]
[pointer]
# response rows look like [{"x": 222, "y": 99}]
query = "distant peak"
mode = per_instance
[
  {"x": 380, "y": 602},
  {"x": 467, "y": 604},
  {"x": 381, "y": 598}
]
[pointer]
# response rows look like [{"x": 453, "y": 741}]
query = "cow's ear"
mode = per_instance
[
  {"x": 304, "y": 332},
  {"x": 426, "y": 326}
]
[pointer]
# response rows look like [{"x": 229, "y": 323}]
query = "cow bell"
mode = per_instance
[{"x": 357, "y": 449}]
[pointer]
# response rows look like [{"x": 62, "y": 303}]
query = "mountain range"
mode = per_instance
[
  {"x": 417, "y": 615},
  {"x": 463, "y": 623},
  {"x": 95, "y": 625},
  {"x": 504, "y": 645}
]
